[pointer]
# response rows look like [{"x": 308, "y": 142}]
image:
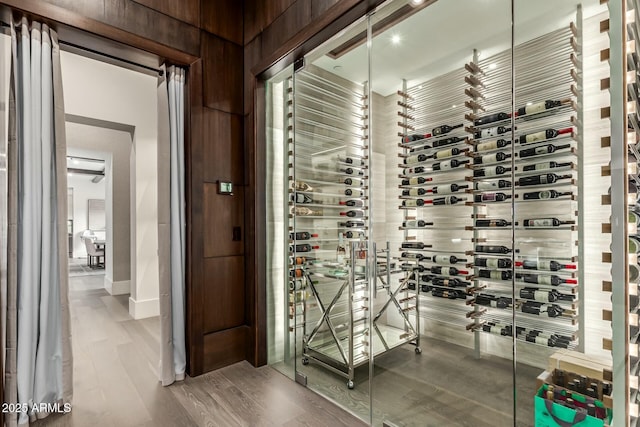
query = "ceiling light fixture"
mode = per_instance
[
  {"x": 493, "y": 66},
  {"x": 395, "y": 39},
  {"x": 420, "y": 87},
  {"x": 529, "y": 103},
  {"x": 417, "y": 2},
  {"x": 453, "y": 106}
]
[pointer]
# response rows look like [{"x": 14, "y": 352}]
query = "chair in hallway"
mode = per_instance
[{"x": 93, "y": 252}]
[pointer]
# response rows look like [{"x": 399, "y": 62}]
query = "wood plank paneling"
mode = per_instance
[
  {"x": 223, "y": 65},
  {"x": 223, "y": 18},
  {"x": 222, "y": 213},
  {"x": 225, "y": 347},
  {"x": 296, "y": 17},
  {"x": 252, "y": 54},
  {"x": 185, "y": 10},
  {"x": 223, "y": 293},
  {"x": 223, "y": 147},
  {"x": 150, "y": 24},
  {"x": 319, "y": 7}
]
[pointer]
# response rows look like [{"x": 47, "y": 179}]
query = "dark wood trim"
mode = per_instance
[
  {"x": 66, "y": 22},
  {"x": 194, "y": 213},
  {"x": 338, "y": 17}
]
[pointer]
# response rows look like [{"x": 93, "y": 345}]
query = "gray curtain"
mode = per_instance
[
  {"x": 171, "y": 224},
  {"x": 38, "y": 347}
]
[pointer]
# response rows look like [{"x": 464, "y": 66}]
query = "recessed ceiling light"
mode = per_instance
[
  {"x": 453, "y": 106},
  {"x": 529, "y": 103},
  {"x": 420, "y": 87},
  {"x": 417, "y": 2},
  {"x": 75, "y": 161},
  {"x": 70, "y": 174},
  {"x": 395, "y": 39},
  {"x": 492, "y": 66}
]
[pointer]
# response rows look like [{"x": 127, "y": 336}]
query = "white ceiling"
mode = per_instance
[{"x": 442, "y": 36}]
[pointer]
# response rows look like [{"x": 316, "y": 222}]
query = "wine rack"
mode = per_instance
[
  {"x": 526, "y": 162},
  {"x": 329, "y": 229},
  {"x": 434, "y": 179}
]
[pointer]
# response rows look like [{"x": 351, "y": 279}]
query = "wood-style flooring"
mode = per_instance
[{"x": 116, "y": 381}]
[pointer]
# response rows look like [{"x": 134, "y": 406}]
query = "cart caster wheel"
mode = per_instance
[
  {"x": 418, "y": 350},
  {"x": 350, "y": 385},
  {"x": 305, "y": 361}
]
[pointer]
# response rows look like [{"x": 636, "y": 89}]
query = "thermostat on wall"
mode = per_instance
[{"x": 225, "y": 188}]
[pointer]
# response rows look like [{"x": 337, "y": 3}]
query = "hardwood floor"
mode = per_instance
[{"x": 116, "y": 381}]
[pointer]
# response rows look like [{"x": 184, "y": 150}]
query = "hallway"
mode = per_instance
[{"x": 115, "y": 380}]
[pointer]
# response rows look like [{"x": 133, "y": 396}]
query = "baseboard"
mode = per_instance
[
  {"x": 142, "y": 309},
  {"x": 123, "y": 287}
]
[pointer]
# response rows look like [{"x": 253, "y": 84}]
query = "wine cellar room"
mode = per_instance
[{"x": 441, "y": 185}]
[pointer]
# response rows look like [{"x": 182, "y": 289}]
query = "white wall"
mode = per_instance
[
  {"x": 106, "y": 92},
  {"x": 83, "y": 190}
]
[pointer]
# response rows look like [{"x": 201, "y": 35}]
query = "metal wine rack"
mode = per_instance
[
  {"x": 338, "y": 324},
  {"x": 530, "y": 187}
]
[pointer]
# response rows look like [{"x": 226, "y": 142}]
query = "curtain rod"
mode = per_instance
[{"x": 74, "y": 47}]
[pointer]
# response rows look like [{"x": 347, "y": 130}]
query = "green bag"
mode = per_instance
[{"x": 550, "y": 414}]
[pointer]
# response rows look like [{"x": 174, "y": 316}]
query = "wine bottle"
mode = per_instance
[
  {"x": 494, "y": 329},
  {"x": 416, "y": 223},
  {"x": 495, "y": 274},
  {"x": 537, "y": 308},
  {"x": 492, "y": 171},
  {"x": 443, "y": 129},
  {"x": 443, "y": 154},
  {"x": 543, "y": 135},
  {"x": 447, "y": 200},
  {"x": 412, "y": 255},
  {"x": 447, "y": 259},
  {"x": 492, "y": 301},
  {"x": 544, "y": 149},
  {"x": 296, "y": 285},
  {"x": 341, "y": 251},
  {"x": 545, "y": 222},
  {"x": 411, "y": 171},
  {"x": 412, "y": 267},
  {"x": 545, "y": 165},
  {"x": 492, "y": 249},
  {"x": 301, "y": 235},
  {"x": 544, "y": 295},
  {"x": 351, "y": 171},
  {"x": 492, "y": 223},
  {"x": 491, "y": 197},
  {"x": 420, "y": 148},
  {"x": 495, "y": 117},
  {"x": 492, "y": 145},
  {"x": 491, "y": 158},
  {"x": 351, "y": 181},
  {"x": 415, "y": 137},
  {"x": 351, "y": 160},
  {"x": 492, "y": 262},
  {"x": 415, "y": 159},
  {"x": 449, "y": 271},
  {"x": 447, "y": 141},
  {"x": 493, "y": 131},
  {"x": 303, "y": 186},
  {"x": 547, "y": 178},
  {"x": 411, "y": 203},
  {"x": 416, "y": 181},
  {"x": 532, "y": 264},
  {"x": 305, "y": 247},
  {"x": 413, "y": 245},
  {"x": 447, "y": 188},
  {"x": 357, "y": 203},
  {"x": 351, "y": 224},
  {"x": 538, "y": 107},
  {"x": 353, "y": 234},
  {"x": 545, "y": 279},
  {"x": 353, "y": 214},
  {"x": 414, "y": 192},
  {"x": 449, "y": 293},
  {"x": 305, "y": 211},
  {"x": 353, "y": 192},
  {"x": 449, "y": 164},
  {"x": 446, "y": 282},
  {"x": 492, "y": 185},
  {"x": 546, "y": 194}
]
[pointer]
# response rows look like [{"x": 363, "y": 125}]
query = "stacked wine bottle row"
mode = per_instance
[
  {"x": 329, "y": 208},
  {"x": 434, "y": 178},
  {"x": 525, "y": 161}
]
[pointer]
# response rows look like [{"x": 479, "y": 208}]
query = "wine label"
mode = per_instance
[
  {"x": 489, "y": 197},
  {"x": 538, "y": 107},
  {"x": 495, "y": 274},
  {"x": 489, "y": 158},
  {"x": 444, "y": 154},
  {"x": 544, "y": 195},
  {"x": 486, "y": 185},
  {"x": 544, "y": 280},
  {"x": 446, "y": 165},
  {"x": 415, "y": 192},
  {"x": 541, "y": 150},
  {"x": 542, "y": 166},
  {"x": 491, "y": 262},
  {"x": 542, "y": 340},
  {"x": 541, "y": 296},
  {"x": 540, "y": 222},
  {"x": 414, "y": 181},
  {"x": 412, "y": 159},
  {"x": 535, "y": 137},
  {"x": 486, "y": 146},
  {"x": 411, "y": 202}
]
